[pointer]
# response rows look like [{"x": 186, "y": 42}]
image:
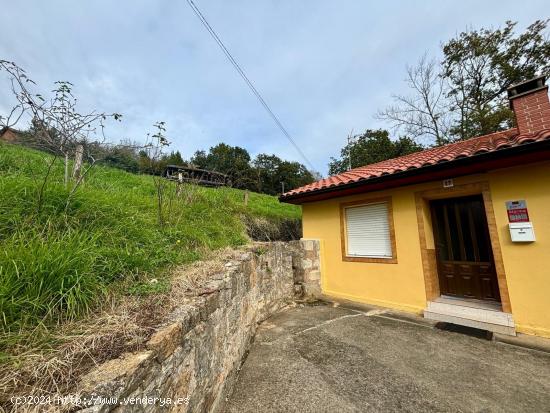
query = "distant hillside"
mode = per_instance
[{"x": 56, "y": 265}]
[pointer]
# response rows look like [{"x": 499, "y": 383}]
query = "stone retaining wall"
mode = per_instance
[
  {"x": 196, "y": 355},
  {"x": 307, "y": 267}
]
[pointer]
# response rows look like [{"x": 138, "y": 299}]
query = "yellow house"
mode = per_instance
[{"x": 459, "y": 233}]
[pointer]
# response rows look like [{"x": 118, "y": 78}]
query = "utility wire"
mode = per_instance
[{"x": 248, "y": 81}]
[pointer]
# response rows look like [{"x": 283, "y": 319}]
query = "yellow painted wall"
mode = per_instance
[
  {"x": 527, "y": 265},
  {"x": 398, "y": 285},
  {"x": 401, "y": 285}
]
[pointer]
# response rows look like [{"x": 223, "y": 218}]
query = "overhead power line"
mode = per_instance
[{"x": 248, "y": 81}]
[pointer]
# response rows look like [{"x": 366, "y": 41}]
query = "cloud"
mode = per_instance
[{"x": 324, "y": 67}]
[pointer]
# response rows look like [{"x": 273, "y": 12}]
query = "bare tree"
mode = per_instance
[
  {"x": 463, "y": 95},
  {"x": 58, "y": 127},
  {"x": 155, "y": 144},
  {"x": 423, "y": 113}
]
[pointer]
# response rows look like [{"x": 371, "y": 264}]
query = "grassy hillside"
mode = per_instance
[{"x": 56, "y": 265}]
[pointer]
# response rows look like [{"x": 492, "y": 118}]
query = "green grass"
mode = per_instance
[{"x": 56, "y": 264}]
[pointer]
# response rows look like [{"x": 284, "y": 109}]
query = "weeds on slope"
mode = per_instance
[
  {"x": 120, "y": 324},
  {"x": 57, "y": 264}
]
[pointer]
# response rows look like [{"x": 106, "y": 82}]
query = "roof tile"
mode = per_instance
[{"x": 462, "y": 149}]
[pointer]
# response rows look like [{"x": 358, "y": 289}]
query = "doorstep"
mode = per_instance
[{"x": 471, "y": 313}]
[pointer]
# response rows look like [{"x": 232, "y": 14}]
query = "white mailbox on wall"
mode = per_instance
[{"x": 522, "y": 232}]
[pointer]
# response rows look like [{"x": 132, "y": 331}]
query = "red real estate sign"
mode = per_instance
[{"x": 517, "y": 211}]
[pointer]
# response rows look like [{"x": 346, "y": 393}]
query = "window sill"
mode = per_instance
[{"x": 391, "y": 260}]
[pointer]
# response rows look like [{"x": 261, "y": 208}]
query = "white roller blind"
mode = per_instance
[{"x": 368, "y": 231}]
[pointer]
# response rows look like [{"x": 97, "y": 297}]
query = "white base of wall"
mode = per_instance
[{"x": 471, "y": 314}]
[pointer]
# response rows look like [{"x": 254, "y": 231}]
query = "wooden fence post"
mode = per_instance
[{"x": 78, "y": 162}]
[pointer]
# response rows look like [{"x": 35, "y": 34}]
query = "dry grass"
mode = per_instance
[
  {"x": 263, "y": 229},
  {"x": 122, "y": 324},
  {"x": 187, "y": 281}
]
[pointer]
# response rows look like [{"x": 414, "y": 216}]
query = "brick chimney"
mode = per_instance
[{"x": 529, "y": 101}]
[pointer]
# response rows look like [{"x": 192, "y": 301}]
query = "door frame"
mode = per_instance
[
  {"x": 457, "y": 261},
  {"x": 425, "y": 231}
]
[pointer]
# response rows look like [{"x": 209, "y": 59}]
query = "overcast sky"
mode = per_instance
[{"x": 324, "y": 67}]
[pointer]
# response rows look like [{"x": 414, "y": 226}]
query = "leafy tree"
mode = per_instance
[
  {"x": 273, "y": 173},
  {"x": 481, "y": 64},
  {"x": 144, "y": 162},
  {"x": 463, "y": 96},
  {"x": 265, "y": 167},
  {"x": 294, "y": 175},
  {"x": 371, "y": 147},
  {"x": 230, "y": 160},
  {"x": 174, "y": 158},
  {"x": 122, "y": 157},
  {"x": 200, "y": 159},
  {"x": 266, "y": 173}
]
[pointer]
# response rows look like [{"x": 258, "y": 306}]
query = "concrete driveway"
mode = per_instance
[{"x": 332, "y": 359}]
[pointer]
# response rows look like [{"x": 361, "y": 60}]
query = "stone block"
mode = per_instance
[
  {"x": 116, "y": 378},
  {"x": 165, "y": 341},
  {"x": 313, "y": 275},
  {"x": 312, "y": 289},
  {"x": 308, "y": 245}
]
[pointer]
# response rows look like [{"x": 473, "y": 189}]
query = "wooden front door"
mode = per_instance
[{"x": 463, "y": 249}]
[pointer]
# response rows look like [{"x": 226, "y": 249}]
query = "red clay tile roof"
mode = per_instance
[{"x": 463, "y": 149}]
